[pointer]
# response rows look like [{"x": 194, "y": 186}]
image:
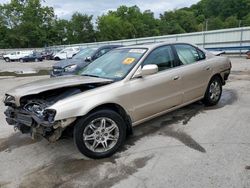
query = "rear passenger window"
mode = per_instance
[
  {"x": 188, "y": 54},
  {"x": 162, "y": 57}
]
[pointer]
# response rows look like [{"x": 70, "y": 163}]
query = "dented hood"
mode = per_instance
[{"x": 52, "y": 83}]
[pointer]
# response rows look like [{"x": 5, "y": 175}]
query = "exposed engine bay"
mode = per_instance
[{"x": 33, "y": 117}]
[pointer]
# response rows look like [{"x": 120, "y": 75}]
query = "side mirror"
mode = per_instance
[
  {"x": 88, "y": 59},
  {"x": 149, "y": 69},
  {"x": 146, "y": 70}
]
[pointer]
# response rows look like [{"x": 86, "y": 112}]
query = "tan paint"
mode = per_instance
[{"x": 142, "y": 98}]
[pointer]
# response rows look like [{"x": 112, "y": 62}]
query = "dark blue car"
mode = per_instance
[
  {"x": 35, "y": 57},
  {"x": 80, "y": 60}
]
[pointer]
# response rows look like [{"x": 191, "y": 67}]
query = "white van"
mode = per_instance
[
  {"x": 67, "y": 53},
  {"x": 16, "y": 56}
]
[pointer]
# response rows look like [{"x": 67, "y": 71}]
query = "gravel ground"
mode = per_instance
[{"x": 194, "y": 146}]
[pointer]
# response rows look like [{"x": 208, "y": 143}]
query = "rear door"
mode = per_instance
[
  {"x": 194, "y": 70},
  {"x": 156, "y": 93}
]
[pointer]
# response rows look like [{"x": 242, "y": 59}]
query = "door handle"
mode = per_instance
[
  {"x": 176, "y": 78},
  {"x": 208, "y": 68}
]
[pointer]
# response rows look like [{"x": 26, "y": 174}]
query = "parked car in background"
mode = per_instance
[
  {"x": 35, "y": 57},
  {"x": 1, "y": 55},
  {"x": 16, "y": 56},
  {"x": 248, "y": 54},
  {"x": 48, "y": 54},
  {"x": 80, "y": 60},
  {"x": 117, "y": 91},
  {"x": 66, "y": 53}
]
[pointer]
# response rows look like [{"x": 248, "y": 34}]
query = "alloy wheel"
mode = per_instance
[
  {"x": 214, "y": 90},
  {"x": 101, "y": 134}
]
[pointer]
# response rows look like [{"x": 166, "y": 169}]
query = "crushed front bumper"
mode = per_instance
[
  {"x": 29, "y": 123},
  {"x": 16, "y": 116}
]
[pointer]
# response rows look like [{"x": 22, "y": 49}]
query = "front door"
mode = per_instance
[{"x": 156, "y": 93}]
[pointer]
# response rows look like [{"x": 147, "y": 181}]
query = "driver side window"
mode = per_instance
[{"x": 162, "y": 57}]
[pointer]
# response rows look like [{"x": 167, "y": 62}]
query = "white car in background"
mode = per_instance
[
  {"x": 66, "y": 53},
  {"x": 16, "y": 56}
]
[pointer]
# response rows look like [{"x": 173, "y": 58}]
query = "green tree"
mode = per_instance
[
  {"x": 144, "y": 24},
  {"x": 60, "y": 32},
  {"x": 3, "y": 33},
  {"x": 215, "y": 23},
  {"x": 231, "y": 22},
  {"x": 81, "y": 28},
  {"x": 246, "y": 21},
  {"x": 179, "y": 21},
  {"x": 28, "y": 21},
  {"x": 111, "y": 27}
]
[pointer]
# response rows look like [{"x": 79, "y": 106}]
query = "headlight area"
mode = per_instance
[
  {"x": 70, "y": 68},
  {"x": 34, "y": 118},
  {"x": 49, "y": 115},
  {"x": 9, "y": 100}
]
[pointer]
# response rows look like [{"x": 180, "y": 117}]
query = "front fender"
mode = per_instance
[{"x": 81, "y": 104}]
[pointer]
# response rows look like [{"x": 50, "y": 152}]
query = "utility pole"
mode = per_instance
[
  {"x": 203, "y": 35},
  {"x": 206, "y": 24},
  {"x": 240, "y": 21}
]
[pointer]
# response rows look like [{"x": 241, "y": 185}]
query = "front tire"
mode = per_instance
[
  {"x": 100, "y": 134},
  {"x": 213, "y": 92}
]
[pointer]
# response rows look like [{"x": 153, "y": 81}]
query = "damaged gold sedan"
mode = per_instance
[{"x": 121, "y": 89}]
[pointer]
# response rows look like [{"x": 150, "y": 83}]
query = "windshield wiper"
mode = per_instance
[{"x": 90, "y": 75}]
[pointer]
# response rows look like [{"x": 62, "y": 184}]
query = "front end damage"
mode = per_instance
[
  {"x": 33, "y": 118},
  {"x": 31, "y": 114}
]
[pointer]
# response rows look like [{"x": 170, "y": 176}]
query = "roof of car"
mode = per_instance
[
  {"x": 152, "y": 45},
  {"x": 110, "y": 45},
  {"x": 103, "y": 46}
]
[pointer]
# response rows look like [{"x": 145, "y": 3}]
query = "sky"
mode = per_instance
[{"x": 65, "y": 8}]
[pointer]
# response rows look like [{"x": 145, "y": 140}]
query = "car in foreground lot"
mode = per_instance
[
  {"x": 32, "y": 57},
  {"x": 80, "y": 60},
  {"x": 119, "y": 90}
]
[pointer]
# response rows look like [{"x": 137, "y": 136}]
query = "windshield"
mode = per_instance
[
  {"x": 87, "y": 52},
  {"x": 114, "y": 65}
]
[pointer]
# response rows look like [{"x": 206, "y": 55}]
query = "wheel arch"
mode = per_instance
[
  {"x": 218, "y": 75},
  {"x": 120, "y": 110},
  {"x": 212, "y": 77}
]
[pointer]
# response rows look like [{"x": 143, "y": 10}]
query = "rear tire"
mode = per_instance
[
  {"x": 36, "y": 60},
  {"x": 7, "y": 59},
  {"x": 213, "y": 92},
  {"x": 21, "y": 60},
  {"x": 100, "y": 134}
]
